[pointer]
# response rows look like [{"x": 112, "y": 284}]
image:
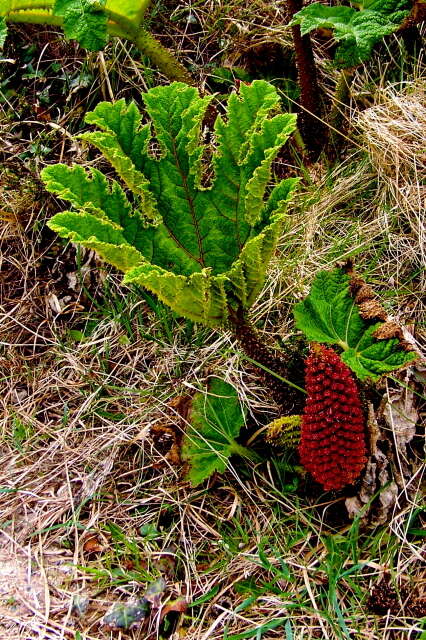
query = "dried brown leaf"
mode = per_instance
[
  {"x": 180, "y": 605},
  {"x": 93, "y": 545},
  {"x": 388, "y": 330}
]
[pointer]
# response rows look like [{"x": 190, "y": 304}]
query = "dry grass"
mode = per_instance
[
  {"x": 81, "y": 459},
  {"x": 393, "y": 134}
]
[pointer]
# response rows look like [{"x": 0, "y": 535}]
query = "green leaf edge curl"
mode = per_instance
[{"x": 330, "y": 315}]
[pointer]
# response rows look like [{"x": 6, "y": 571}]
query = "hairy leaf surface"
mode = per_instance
[
  {"x": 199, "y": 248},
  {"x": 330, "y": 315},
  {"x": 84, "y": 21},
  {"x": 215, "y": 421},
  {"x": 356, "y": 31}
]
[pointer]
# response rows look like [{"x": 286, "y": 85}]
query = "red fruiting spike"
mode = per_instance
[{"x": 332, "y": 446}]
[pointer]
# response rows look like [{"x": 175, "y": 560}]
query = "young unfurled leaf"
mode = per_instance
[
  {"x": 330, "y": 315},
  {"x": 215, "y": 421},
  {"x": 84, "y": 21},
  {"x": 356, "y": 31},
  {"x": 200, "y": 249}
]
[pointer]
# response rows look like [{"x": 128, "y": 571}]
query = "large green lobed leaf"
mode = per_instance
[
  {"x": 199, "y": 248},
  {"x": 330, "y": 315}
]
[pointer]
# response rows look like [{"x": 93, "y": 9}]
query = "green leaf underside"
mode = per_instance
[
  {"x": 356, "y": 31},
  {"x": 330, "y": 315},
  {"x": 199, "y": 249},
  {"x": 215, "y": 421}
]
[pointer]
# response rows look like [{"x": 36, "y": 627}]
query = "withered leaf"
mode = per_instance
[
  {"x": 180, "y": 605},
  {"x": 166, "y": 439},
  {"x": 93, "y": 545},
  {"x": 371, "y": 310},
  {"x": 391, "y": 467},
  {"x": 388, "y": 330}
]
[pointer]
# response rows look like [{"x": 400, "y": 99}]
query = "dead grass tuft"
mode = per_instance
[{"x": 393, "y": 132}]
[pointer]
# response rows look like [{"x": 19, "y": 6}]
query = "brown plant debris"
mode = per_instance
[
  {"x": 385, "y": 599},
  {"x": 394, "y": 456}
]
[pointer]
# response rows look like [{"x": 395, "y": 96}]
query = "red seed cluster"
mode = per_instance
[{"x": 332, "y": 446}]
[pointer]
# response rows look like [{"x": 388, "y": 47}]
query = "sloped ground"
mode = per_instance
[{"x": 93, "y": 499}]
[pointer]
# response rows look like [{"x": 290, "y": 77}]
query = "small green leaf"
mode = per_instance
[
  {"x": 215, "y": 421},
  {"x": 330, "y": 315},
  {"x": 149, "y": 531},
  {"x": 3, "y": 31},
  {"x": 76, "y": 335},
  {"x": 320, "y": 16},
  {"x": 372, "y": 358},
  {"x": 84, "y": 21}
]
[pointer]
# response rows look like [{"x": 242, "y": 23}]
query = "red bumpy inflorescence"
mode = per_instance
[{"x": 332, "y": 445}]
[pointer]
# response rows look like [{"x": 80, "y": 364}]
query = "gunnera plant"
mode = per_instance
[{"x": 202, "y": 245}]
